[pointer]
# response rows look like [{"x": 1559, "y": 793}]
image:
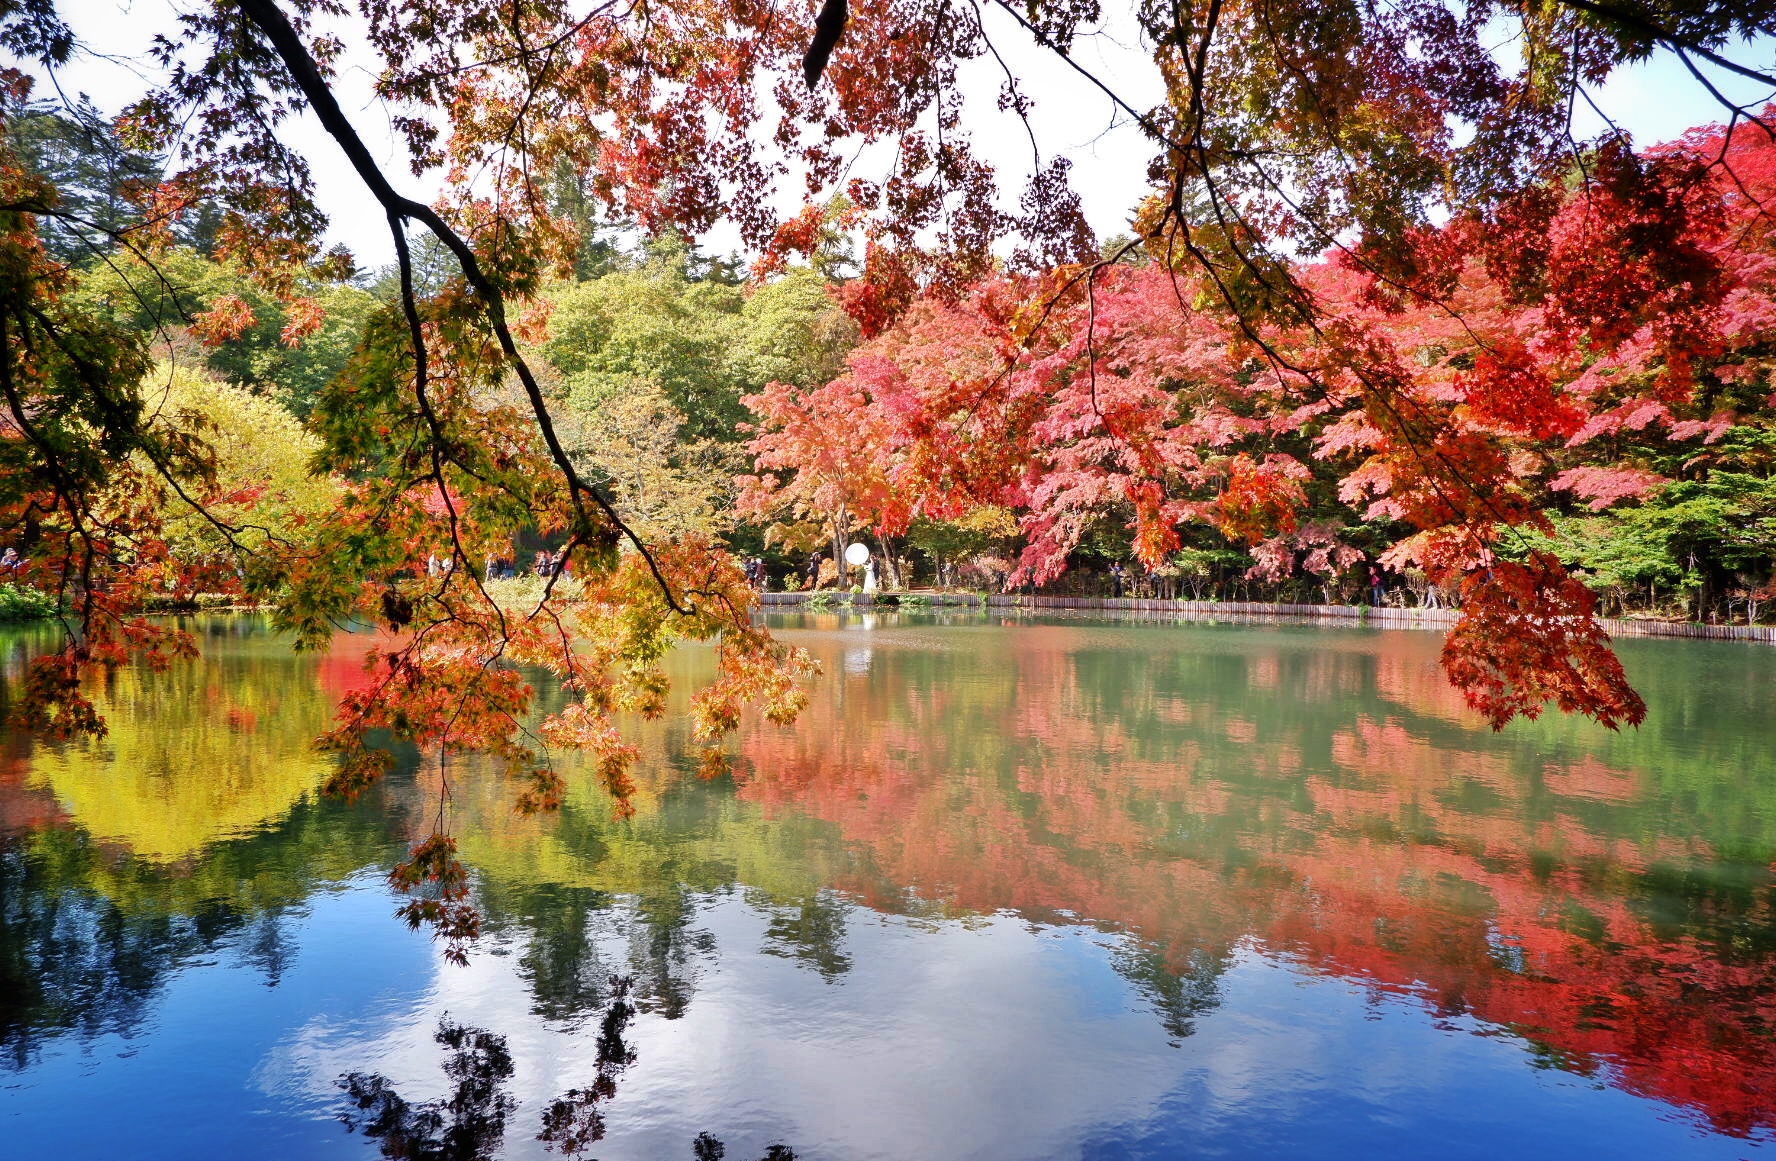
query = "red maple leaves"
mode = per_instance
[
  {"x": 1450, "y": 411},
  {"x": 1527, "y": 636}
]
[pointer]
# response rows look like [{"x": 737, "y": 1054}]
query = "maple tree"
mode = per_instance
[
  {"x": 824, "y": 457},
  {"x": 1287, "y": 128},
  {"x": 1453, "y": 424}
]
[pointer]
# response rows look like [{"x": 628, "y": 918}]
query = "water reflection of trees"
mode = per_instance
[
  {"x": 1180, "y": 991},
  {"x": 576, "y": 938},
  {"x": 810, "y": 932},
  {"x": 667, "y": 953},
  {"x": 89, "y": 933},
  {"x": 561, "y": 962},
  {"x": 1611, "y": 900},
  {"x": 70, "y": 961},
  {"x": 470, "y": 1123},
  {"x": 1323, "y": 797}
]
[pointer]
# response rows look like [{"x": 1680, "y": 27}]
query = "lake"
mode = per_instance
[{"x": 1012, "y": 888}]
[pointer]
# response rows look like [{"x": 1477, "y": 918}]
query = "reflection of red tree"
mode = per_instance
[
  {"x": 1420, "y": 868},
  {"x": 340, "y": 670},
  {"x": 1400, "y": 677},
  {"x": 22, "y": 806}
]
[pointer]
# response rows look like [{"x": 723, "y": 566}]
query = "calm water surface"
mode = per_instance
[{"x": 1061, "y": 889}]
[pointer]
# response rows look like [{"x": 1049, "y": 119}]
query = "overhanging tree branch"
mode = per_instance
[
  {"x": 271, "y": 22},
  {"x": 1661, "y": 35}
]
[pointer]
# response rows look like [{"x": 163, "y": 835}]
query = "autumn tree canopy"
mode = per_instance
[{"x": 1316, "y": 167}]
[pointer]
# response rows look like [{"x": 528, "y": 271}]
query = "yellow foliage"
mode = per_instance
[
  {"x": 262, "y": 458},
  {"x": 202, "y": 753},
  {"x": 989, "y": 520},
  {"x": 631, "y": 436}
]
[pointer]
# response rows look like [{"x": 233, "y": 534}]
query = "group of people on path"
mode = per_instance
[
  {"x": 551, "y": 563},
  {"x": 1123, "y": 583},
  {"x": 497, "y": 567}
]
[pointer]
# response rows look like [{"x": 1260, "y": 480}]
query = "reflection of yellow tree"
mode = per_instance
[
  {"x": 704, "y": 840},
  {"x": 204, "y": 752}
]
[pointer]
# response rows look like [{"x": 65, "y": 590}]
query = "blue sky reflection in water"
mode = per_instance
[{"x": 1065, "y": 890}]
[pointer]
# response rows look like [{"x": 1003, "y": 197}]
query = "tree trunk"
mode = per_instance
[
  {"x": 840, "y": 521},
  {"x": 890, "y": 566}
]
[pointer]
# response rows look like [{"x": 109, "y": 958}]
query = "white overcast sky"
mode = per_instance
[{"x": 1654, "y": 101}]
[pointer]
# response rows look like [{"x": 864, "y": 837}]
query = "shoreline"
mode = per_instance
[
  {"x": 1353, "y": 616},
  {"x": 1238, "y": 612}
]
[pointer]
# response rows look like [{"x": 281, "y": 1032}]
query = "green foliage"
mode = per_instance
[
  {"x": 651, "y": 323},
  {"x": 701, "y": 340},
  {"x": 791, "y": 332},
  {"x": 23, "y": 603},
  {"x": 1191, "y": 561},
  {"x": 651, "y": 360},
  {"x": 1695, "y": 538},
  {"x": 182, "y": 285}
]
